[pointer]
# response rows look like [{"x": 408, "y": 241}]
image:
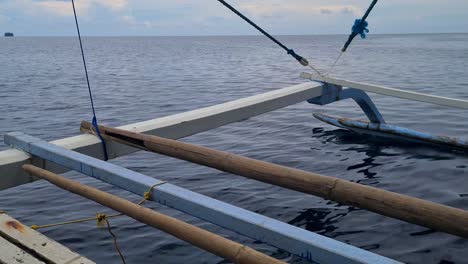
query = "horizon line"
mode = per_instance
[{"x": 244, "y": 35}]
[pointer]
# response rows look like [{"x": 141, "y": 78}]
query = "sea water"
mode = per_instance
[{"x": 43, "y": 93}]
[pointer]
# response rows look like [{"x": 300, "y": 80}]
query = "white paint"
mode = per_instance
[
  {"x": 13, "y": 254},
  {"x": 414, "y": 96},
  {"x": 34, "y": 241},
  {"x": 174, "y": 127}
]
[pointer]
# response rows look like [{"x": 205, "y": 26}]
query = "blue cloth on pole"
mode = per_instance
[
  {"x": 360, "y": 27},
  {"x": 95, "y": 125}
]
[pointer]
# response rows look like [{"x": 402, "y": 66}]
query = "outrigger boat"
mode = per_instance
[{"x": 32, "y": 158}]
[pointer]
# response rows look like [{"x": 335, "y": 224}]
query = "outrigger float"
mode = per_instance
[
  {"x": 83, "y": 153},
  {"x": 376, "y": 126}
]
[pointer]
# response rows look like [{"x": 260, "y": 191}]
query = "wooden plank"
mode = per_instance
[
  {"x": 281, "y": 235},
  {"x": 393, "y": 92},
  {"x": 174, "y": 126},
  {"x": 43, "y": 247},
  {"x": 13, "y": 254}
]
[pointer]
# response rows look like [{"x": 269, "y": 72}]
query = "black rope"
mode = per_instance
[
  {"x": 291, "y": 52},
  {"x": 362, "y": 24},
  {"x": 94, "y": 122}
]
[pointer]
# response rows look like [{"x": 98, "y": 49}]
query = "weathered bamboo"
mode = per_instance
[
  {"x": 203, "y": 239},
  {"x": 417, "y": 211}
]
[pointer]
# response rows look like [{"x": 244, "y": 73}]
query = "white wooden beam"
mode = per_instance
[
  {"x": 174, "y": 127},
  {"x": 414, "y": 96}
]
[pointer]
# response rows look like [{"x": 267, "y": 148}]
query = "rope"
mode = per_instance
[
  {"x": 147, "y": 195},
  {"x": 101, "y": 218},
  {"x": 116, "y": 245},
  {"x": 334, "y": 64},
  {"x": 98, "y": 217},
  {"x": 315, "y": 70},
  {"x": 359, "y": 28},
  {"x": 289, "y": 51},
  {"x": 94, "y": 122}
]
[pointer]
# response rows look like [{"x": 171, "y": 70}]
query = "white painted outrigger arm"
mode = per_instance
[
  {"x": 393, "y": 92},
  {"x": 173, "y": 127}
]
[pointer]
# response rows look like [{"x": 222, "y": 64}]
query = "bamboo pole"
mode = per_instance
[
  {"x": 413, "y": 210},
  {"x": 203, "y": 239}
]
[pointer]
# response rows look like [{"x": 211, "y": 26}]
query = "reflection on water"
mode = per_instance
[
  {"x": 322, "y": 220},
  {"x": 374, "y": 146}
]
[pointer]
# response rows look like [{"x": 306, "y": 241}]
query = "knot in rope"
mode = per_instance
[
  {"x": 360, "y": 27},
  {"x": 100, "y": 219},
  {"x": 147, "y": 196}
]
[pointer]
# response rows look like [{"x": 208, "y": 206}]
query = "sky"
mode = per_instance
[{"x": 209, "y": 17}]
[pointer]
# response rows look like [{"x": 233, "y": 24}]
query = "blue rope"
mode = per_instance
[
  {"x": 360, "y": 28},
  {"x": 94, "y": 122}
]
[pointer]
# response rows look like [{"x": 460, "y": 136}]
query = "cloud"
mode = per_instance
[
  {"x": 208, "y": 17},
  {"x": 325, "y": 11},
  {"x": 64, "y": 8},
  {"x": 4, "y": 18},
  {"x": 61, "y": 8},
  {"x": 113, "y": 4},
  {"x": 348, "y": 10},
  {"x": 132, "y": 21},
  {"x": 299, "y": 8}
]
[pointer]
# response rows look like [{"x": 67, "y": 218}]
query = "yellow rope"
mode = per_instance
[
  {"x": 147, "y": 195},
  {"x": 101, "y": 218},
  {"x": 98, "y": 217},
  {"x": 115, "y": 239}
]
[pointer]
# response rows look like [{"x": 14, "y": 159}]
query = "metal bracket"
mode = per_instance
[{"x": 332, "y": 93}]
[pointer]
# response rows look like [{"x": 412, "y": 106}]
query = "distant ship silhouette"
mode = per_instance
[{"x": 9, "y": 34}]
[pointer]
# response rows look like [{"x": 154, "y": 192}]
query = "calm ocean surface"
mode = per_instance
[{"x": 43, "y": 93}]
